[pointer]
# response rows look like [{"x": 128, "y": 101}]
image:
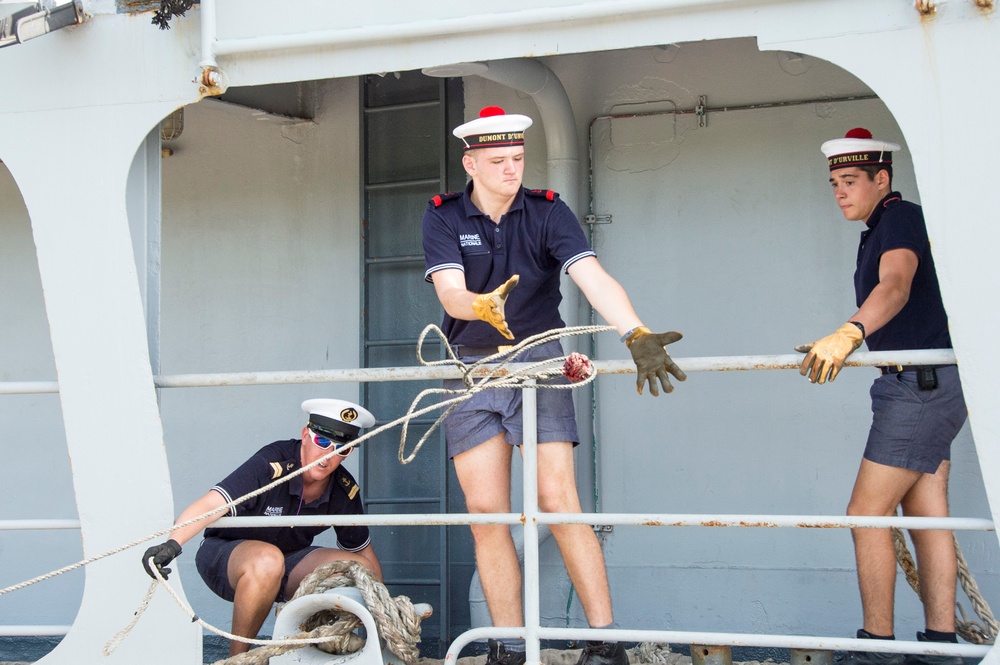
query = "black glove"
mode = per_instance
[
  {"x": 162, "y": 555},
  {"x": 651, "y": 359}
]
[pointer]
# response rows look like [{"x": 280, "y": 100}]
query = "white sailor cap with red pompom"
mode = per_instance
[
  {"x": 494, "y": 128},
  {"x": 858, "y": 148}
]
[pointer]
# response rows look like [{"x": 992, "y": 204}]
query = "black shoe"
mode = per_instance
[
  {"x": 603, "y": 653},
  {"x": 498, "y": 655},
  {"x": 930, "y": 659},
  {"x": 871, "y": 657}
]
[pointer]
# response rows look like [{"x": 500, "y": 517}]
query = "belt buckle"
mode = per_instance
[{"x": 504, "y": 348}]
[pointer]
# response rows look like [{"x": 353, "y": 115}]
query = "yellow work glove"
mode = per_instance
[
  {"x": 826, "y": 356},
  {"x": 489, "y": 306},
  {"x": 651, "y": 359}
]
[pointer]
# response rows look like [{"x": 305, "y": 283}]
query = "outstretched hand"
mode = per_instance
[
  {"x": 652, "y": 362},
  {"x": 489, "y": 307},
  {"x": 825, "y": 357},
  {"x": 162, "y": 555}
]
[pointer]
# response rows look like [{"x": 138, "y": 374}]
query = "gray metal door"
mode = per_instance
[{"x": 407, "y": 160}]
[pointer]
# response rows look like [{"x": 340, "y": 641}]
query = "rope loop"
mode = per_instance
[{"x": 497, "y": 376}]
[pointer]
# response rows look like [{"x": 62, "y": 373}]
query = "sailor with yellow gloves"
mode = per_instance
[
  {"x": 495, "y": 253},
  {"x": 916, "y": 410}
]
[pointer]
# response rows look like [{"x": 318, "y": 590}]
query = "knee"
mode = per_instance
[
  {"x": 558, "y": 498},
  {"x": 491, "y": 534},
  {"x": 266, "y": 567}
]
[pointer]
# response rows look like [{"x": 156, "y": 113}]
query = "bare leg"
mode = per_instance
[
  {"x": 484, "y": 473},
  {"x": 577, "y": 542},
  {"x": 877, "y": 491},
  {"x": 936, "y": 561},
  {"x": 255, "y": 571}
]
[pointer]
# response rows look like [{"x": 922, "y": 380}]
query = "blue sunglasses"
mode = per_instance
[{"x": 326, "y": 442}]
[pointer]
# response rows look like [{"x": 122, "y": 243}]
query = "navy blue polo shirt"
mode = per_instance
[
  {"x": 342, "y": 497},
  {"x": 922, "y": 323},
  {"x": 538, "y": 238}
]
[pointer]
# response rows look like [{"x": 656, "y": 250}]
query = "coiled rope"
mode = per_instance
[{"x": 499, "y": 377}]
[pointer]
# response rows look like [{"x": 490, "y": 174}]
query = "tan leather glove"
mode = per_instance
[
  {"x": 825, "y": 357},
  {"x": 489, "y": 306},
  {"x": 651, "y": 359}
]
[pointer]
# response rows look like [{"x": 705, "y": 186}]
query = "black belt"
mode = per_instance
[{"x": 896, "y": 369}]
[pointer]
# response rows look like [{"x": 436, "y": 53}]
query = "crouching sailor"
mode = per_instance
[{"x": 258, "y": 566}]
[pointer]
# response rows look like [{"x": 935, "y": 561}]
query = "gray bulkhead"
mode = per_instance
[{"x": 725, "y": 230}]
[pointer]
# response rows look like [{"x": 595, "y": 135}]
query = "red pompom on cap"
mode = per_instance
[
  {"x": 858, "y": 133},
  {"x": 577, "y": 367},
  {"x": 490, "y": 111}
]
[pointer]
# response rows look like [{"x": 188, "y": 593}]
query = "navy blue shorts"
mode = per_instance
[
  {"x": 493, "y": 412},
  {"x": 914, "y": 428},
  {"x": 212, "y": 561}
]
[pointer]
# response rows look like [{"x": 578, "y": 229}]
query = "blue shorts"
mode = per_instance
[
  {"x": 212, "y": 561},
  {"x": 493, "y": 412},
  {"x": 914, "y": 428}
]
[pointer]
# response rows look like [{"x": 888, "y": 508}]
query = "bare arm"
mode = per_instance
[
  {"x": 449, "y": 284},
  {"x": 605, "y": 294},
  {"x": 825, "y": 357},
  {"x": 210, "y": 501},
  {"x": 895, "y": 277}
]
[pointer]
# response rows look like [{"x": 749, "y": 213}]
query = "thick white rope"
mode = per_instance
[
  {"x": 971, "y": 631},
  {"x": 496, "y": 379}
]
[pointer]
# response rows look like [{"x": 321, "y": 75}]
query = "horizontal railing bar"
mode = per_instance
[
  {"x": 422, "y": 519},
  {"x": 23, "y": 525},
  {"x": 719, "y": 639},
  {"x": 666, "y": 519},
  {"x": 34, "y": 631},
  {"x": 363, "y": 375}
]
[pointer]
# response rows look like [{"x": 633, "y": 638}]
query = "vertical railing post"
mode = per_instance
[
  {"x": 529, "y": 448},
  {"x": 208, "y": 35}
]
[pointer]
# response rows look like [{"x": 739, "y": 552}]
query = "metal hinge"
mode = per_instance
[
  {"x": 603, "y": 528},
  {"x": 701, "y": 111},
  {"x": 597, "y": 219}
]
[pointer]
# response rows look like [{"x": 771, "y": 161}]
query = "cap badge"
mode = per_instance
[{"x": 349, "y": 415}]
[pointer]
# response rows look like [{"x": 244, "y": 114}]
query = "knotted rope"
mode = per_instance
[
  {"x": 328, "y": 630},
  {"x": 970, "y": 631},
  {"x": 576, "y": 368},
  {"x": 398, "y": 623},
  {"x": 498, "y": 378}
]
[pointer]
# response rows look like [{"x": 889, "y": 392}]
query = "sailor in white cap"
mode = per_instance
[
  {"x": 917, "y": 410},
  {"x": 255, "y": 567},
  {"x": 494, "y": 254}
]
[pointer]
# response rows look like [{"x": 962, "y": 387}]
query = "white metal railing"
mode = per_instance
[
  {"x": 532, "y": 632},
  {"x": 360, "y": 375}
]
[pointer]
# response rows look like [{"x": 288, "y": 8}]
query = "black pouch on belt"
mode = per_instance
[{"x": 927, "y": 378}]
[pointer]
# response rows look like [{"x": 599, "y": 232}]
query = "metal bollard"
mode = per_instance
[
  {"x": 809, "y": 657},
  {"x": 710, "y": 655}
]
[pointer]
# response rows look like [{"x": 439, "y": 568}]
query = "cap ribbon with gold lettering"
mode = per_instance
[
  {"x": 857, "y": 148},
  {"x": 494, "y": 128}
]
